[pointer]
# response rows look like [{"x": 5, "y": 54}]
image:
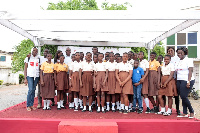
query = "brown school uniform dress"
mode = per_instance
[
  {"x": 144, "y": 64},
  {"x": 100, "y": 68},
  {"x": 123, "y": 74},
  {"x": 48, "y": 90},
  {"x": 170, "y": 89},
  {"x": 61, "y": 77},
  {"x": 153, "y": 77},
  {"x": 111, "y": 77},
  {"x": 87, "y": 79},
  {"x": 75, "y": 80}
]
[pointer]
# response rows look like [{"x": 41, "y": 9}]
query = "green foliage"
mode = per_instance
[
  {"x": 159, "y": 49},
  {"x": 1, "y": 82},
  {"x": 52, "y": 49},
  {"x": 21, "y": 78},
  {"x": 21, "y": 51},
  {"x": 105, "y": 6},
  {"x": 74, "y": 5},
  {"x": 138, "y": 49}
]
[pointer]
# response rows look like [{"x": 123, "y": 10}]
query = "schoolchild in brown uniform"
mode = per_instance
[
  {"x": 168, "y": 86},
  {"x": 110, "y": 66},
  {"x": 124, "y": 72},
  {"x": 144, "y": 64},
  {"x": 154, "y": 80},
  {"x": 118, "y": 91},
  {"x": 87, "y": 81},
  {"x": 47, "y": 82},
  {"x": 116, "y": 55},
  {"x": 101, "y": 75},
  {"x": 61, "y": 81},
  {"x": 75, "y": 75}
]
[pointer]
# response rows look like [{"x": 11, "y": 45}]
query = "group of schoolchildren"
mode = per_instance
[{"x": 108, "y": 82}]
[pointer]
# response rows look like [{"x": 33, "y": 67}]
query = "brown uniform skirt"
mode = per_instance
[
  {"x": 48, "y": 90},
  {"x": 153, "y": 81},
  {"x": 145, "y": 85},
  {"x": 111, "y": 82},
  {"x": 170, "y": 90},
  {"x": 128, "y": 87},
  {"x": 87, "y": 80},
  {"x": 99, "y": 79},
  {"x": 62, "y": 81},
  {"x": 68, "y": 90},
  {"x": 118, "y": 89},
  {"x": 75, "y": 82}
]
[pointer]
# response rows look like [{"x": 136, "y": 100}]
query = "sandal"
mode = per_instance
[
  {"x": 28, "y": 108},
  {"x": 33, "y": 108}
]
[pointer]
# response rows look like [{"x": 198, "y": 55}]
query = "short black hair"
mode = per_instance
[
  {"x": 117, "y": 54},
  {"x": 62, "y": 56},
  {"x": 88, "y": 53},
  {"x": 136, "y": 60},
  {"x": 95, "y": 47},
  {"x": 184, "y": 49},
  {"x": 95, "y": 54},
  {"x": 131, "y": 52},
  {"x": 170, "y": 48},
  {"x": 77, "y": 53},
  {"x": 111, "y": 53},
  {"x": 168, "y": 56},
  {"x": 154, "y": 53},
  {"x": 125, "y": 53},
  {"x": 73, "y": 54},
  {"x": 101, "y": 53},
  {"x": 141, "y": 52}
]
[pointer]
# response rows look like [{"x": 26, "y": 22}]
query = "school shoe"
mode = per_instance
[
  {"x": 114, "y": 110},
  {"x": 53, "y": 104},
  {"x": 167, "y": 114},
  {"x": 148, "y": 111},
  {"x": 121, "y": 111},
  {"x": 133, "y": 110},
  {"x": 178, "y": 112},
  {"x": 160, "y": 113},
  {"x": 83, "y": 110},
  {"x": 44, "y": 108},
  {"x": 139, "y": 111},
  {"x": 155, "y": 110},
  {"x": 191, "y": 117},
  {"x": 58, "y": 108},
  {"x": 182, "y": 116},
  {"x": 125, "y": 111},
  {"x": 48, "y": 108},
  {"x": 63, "y": 107},
  {"x": 90, "y": 110},
  {"x": 76, "y": 109},
  {"x": 104, "y": 111}
]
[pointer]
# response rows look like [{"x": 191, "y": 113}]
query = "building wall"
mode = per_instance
[{"x": 7, "y": 62}]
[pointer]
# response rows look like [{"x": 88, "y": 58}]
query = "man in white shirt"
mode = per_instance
[{"x": 31, "y": 74}]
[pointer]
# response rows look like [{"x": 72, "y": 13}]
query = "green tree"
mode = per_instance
[
  {"x": 21, "y": 51},
  {"x": 159, "y": 49},
  {"x": 52, "y": 49},
  {"x": 105, "y": 6}
]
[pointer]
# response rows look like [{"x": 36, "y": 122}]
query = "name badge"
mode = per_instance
[
  {"x": 64, "y": 66},
  {"x": 52, "y": 67},
  {"x": 151, "y": 65},
  {"x": 137, "y": 71}
]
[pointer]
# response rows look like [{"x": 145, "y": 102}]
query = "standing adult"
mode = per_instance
[
  {"x": 185, "y": 80},
  {"x": 31, "y": 74},
  {"x": 174, "y": 61}
]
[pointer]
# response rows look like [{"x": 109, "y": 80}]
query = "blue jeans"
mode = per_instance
[
  {"x": 31, "y": 90},
  {"x": 137, "y": 95}
]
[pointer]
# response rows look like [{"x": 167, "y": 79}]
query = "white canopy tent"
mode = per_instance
[{"x": 99, "y": 28}]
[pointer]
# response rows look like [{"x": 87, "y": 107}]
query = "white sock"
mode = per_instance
[
  {"x": 98, "y": 109},
  {"x": 97, "y": 104},
  {"x": 61, "y": 103},
  {"x": 84, "y": 107},
  {"x": 76, "y": 102},
  {"x": 72, "y": 104},
  {"x": 108, "y": 103},
  {"x": 102, "y": 109},
  {"x": 122, "y": 106},
  {"x": 113, "y": 106},
  {"x": 45, "y": 104},
  {"x": 81, "y": 103},
  {"x": 169, "y": 110},
  {"x": 58, "y": 103},
  {"x": 126, "y": 107},
  {"x": 146, "y": 102},
  {"x": 162, "y": 109},
  {"x": 90, "y": 108},
  {"x": 130, "y": 105},
  {"x": 117, "y": 103},
  {"x": 48, "y": 103}
]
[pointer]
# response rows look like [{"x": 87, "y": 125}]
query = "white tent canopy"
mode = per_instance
[{"x": 99, "y": 28}]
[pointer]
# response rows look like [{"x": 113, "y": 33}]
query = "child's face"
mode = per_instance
[
  {"x": 49, "y": 57},
  {"x": 152, "y": 56},
  {"x": 77, "y": 56},
  {"x": 140, "y": 55},
  {"x": 125, "y": 57},
  {"x": 159, "y": 59},
  {"x": 135, "y": 56},
  {"x": 95, "y": 58},
  {"x": 88, "y": 57},
  {"x": 111, "y": 57},
  {"x": 59, "y": 54},
  {"x": 107, "y": 58},
  {"x": 167, "y": 60},
  {"x": 130, "y": 55},
  {"x": 106, "y": 54},
  {"x": 62, "y": 58},
  {"x": 136, "y": 63},
  {"x": 100, "y": 57},
  {"x": 116, "y": 56},
  {"x": 170, "y": 52},
  {"x": 94, "y": 50},
  {"x": 45, "y": 53},
  {"x": 73, "y": 57}
]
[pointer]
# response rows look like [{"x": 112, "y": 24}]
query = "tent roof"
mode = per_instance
[{"x": 99, "y": 28}]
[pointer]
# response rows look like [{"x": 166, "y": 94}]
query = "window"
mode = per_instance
[
  {"x": 188, "y": 40},
  {"x": 2, "y": 58}
]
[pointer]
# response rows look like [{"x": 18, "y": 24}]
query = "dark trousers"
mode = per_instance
[
  {"x": 184, "y": 91},
  {"x": 39, "y": 97}
]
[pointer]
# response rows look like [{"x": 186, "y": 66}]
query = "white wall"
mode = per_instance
[{"x": 8, "y": 61}]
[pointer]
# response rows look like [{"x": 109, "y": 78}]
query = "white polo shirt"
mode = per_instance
[
  {"x": 144, "y": 64},
  {"x": 166, "y": 70},
  {"x": 33, "y": 66},
  {"x": 124, "y": 67},
  {"x": 111, "y": 66}
]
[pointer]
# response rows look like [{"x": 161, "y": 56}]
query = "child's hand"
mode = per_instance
[
  {"x": 104, "y": 84},
  {"x": 165, "y": 85},
  {"x": 42, "y": 83},
  {"x": 123, "y": 83},
  {"x": 120, "y": 83},
  {"x": 141, "y": 80},
  {"x": 95, "y": 86},
  {"x": 81, "y": 84},
  {"x": 136, "y": 84},
  {"x": 56, "y": 83},
  {"x": 158, "y": 85}
]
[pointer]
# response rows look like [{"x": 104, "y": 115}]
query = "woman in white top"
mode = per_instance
[
  {"x": 87, "y": 81},
  {"x": 75, "y": 78},
  {"x": 124, "y": 73},
  {"x": 168, "y": 86},
  {"x": 185, "y": 80},
  {"x": 110, "y": 66}
]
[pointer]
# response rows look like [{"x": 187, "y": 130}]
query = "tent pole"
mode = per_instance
[{"x": 148, "y": 54}]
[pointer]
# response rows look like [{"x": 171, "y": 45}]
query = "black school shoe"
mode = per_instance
[
  {"x": 53, "y": 104},
  {"x": 139, "y": 111},
  {"x": 75, "y": 109},
  {"x": 90, "y": 110},
  {"x": 125, "y": 111},
  {"x": 58, "y": 108},
  {"x": 83, "y": 110},
  {"x": 178, "y": 112},
  {"x": 104, "y": 111},
  {"x": 154, "y": 110},
  {"x": 114, "y": 110},
  {"x": 48, "y": 108},
  {"x": 133, "y": 110},
  {"x": 121, "y": 111},
  {"x": 148, "y": 111},
  {"x": 63, "y": 107}
]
